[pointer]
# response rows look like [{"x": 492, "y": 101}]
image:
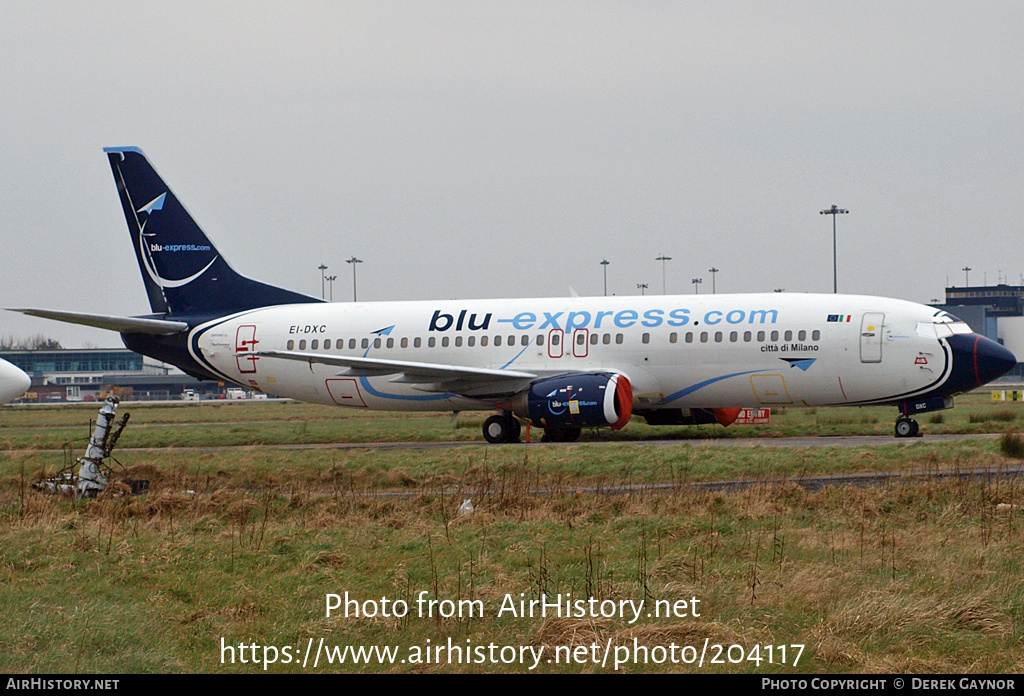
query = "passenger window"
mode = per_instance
[
  {"x": 775, "y": 335},
  {"x": 760, "y": 336},
  {"x": 747, "y": 336},
  {"x": 718, "y": 337},
  {"x": 291, "y": 345},
  {"x": 352, "y": 343},
  {"x": 512, "y": 340},
  {"x": 733, "y": 337},
  {"x": 302, "y": 345},
  {"x": 417, "y": 342},
  {"x": 540, "y": 339},
  {"x": 689, "y": 337},
  {"x": 703, "y": 336},
  {"x": 815, "y": 335},
  {"x": 366, "y": 343},
  {"x": 391, "y": 343},
  {"x": 606, "y": 339},
  {"x": 444, "y": 342},
  {"x": 376, "y": 343},
  {"x": 593, "y": 339},
  {"x": 581, "y": 338},
  {"x": 789, "y": 335},
  {"x": 483, "y": 341},
  {"x": 497, "y": 340},
  {"x": 555, "y": 339},
  {"x": 646, "y": 338},
  {"x": 405, "y": 342},
  {"x": 431, "y": 342},
  {"x": 618, "y": 339},
  {"x": 314, "y": 345},
  {"x": 458, "y": 341},
  {"x": 471, "y": 341},
  {"x": 673, "y": 337}
]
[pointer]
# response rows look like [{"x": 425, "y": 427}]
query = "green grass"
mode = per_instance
[{"x": 217, "y": 424}]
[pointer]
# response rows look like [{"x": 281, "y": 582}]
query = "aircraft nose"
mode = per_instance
[
  {"x": 13, "y": 382},
  {"x": 978, "y": 360}
]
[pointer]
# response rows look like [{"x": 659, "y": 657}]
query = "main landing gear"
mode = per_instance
[
  {"x": 503, "y": 428},
  {"x": 907, "y": 427}
]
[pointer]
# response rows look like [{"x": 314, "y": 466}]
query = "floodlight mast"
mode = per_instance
[{"x": 834, "y": 211}]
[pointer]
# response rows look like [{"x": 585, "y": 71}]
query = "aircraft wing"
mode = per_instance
[
  {"x": 432, "y": 377},
  {"x": 142, "y": 325}
]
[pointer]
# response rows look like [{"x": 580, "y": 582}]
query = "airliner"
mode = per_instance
[
  {"x": 13, "y": 382},
  {"x": 560, "y": 364}
]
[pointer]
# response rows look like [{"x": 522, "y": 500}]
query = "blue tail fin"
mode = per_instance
[{"x": 183, "y": 272}]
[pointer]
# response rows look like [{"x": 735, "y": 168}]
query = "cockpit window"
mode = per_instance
[{"x": 942, "y": 328}]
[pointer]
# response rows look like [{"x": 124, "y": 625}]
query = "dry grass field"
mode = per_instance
[{"x": 227, "y": 563}]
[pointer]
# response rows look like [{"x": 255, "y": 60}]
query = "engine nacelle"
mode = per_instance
[{"x": 580, "y": 400}]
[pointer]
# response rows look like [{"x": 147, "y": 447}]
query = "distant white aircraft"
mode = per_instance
[
  {"x": 13, "y": 382},
  {"x": 561, "y": 364}
]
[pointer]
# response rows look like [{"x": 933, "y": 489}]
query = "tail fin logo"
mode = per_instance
[
  {"x": 148, "y": 249},
  {"x": 155, "y": 204}
]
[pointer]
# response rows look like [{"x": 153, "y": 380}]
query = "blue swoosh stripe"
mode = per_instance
[
  {"x": 402, "y": 397},
  {"x": 515, "y": 358},
  {"x": 700, "y": 385}
]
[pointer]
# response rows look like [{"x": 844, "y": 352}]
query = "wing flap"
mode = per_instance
[{"x": 408, "y": 372}]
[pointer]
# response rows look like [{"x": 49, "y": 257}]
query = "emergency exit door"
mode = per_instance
[{"x": 245, "y": 342}]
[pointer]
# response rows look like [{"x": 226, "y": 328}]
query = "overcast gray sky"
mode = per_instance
[{"x": 491, "y": 149}]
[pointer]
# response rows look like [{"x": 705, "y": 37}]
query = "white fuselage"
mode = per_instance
[{"x": 677, "y": 351}]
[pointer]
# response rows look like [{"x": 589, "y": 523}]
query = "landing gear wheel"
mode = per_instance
[
  {"x": 504, "y": 428},
  {"x": 907, "y": 427}
]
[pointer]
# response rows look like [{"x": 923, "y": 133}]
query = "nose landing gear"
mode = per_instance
[{"x": 907, "y": 427}]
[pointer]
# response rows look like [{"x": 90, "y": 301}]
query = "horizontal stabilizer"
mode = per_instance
[{"x": 139, "y": 325}]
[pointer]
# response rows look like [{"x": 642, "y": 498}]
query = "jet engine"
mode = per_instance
[{"x": 574, "y": 401}]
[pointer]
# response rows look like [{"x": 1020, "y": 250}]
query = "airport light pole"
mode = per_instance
[
  {"x": 696, "y": 285},
  {"x": 712, "y": 271},
  {"x": 605, "y": 264},
  {"x": 354, "y": 261},
  {"x": 663, "y": 259},
  {"x": 322, "y": 268},
  {"x": 643, "y": 287},
  {"x": 967, "y": 275},
  {"x": 834, "y": 211},
  {"x": 330, "y": 282}
]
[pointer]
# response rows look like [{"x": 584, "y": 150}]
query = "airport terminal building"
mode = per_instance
[{"x": 89, "y": 374}]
